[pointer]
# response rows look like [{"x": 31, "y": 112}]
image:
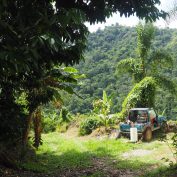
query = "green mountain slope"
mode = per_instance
[{"x": 107, "y": 47}]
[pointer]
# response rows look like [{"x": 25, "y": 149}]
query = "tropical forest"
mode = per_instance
[{"x": 75, "y": 103}]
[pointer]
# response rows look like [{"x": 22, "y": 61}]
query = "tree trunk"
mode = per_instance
[
  {"x": 27, "y": 129},
  {"x": 37, "y": 127}
]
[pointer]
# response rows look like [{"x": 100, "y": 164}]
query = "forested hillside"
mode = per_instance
[{"x": 107, "y": 47}]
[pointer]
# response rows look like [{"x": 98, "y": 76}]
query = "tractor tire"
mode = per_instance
[
  {"x": 147, "y": 134},
  {"x": 164, "y": 127},
  {"x": 119, "y": 134},
  {"x": 115, "y": 134}
]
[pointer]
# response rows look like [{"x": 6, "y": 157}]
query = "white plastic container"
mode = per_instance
[{"x": 133, "y": 134}]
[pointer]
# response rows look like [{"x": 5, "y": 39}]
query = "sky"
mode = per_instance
[{"x": 133, "y": 21}]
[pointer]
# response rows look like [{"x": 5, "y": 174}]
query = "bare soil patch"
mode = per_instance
[{"x": 137, "y": 153}]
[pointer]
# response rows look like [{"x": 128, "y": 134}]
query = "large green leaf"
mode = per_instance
[{"x": 70, "y": 70}]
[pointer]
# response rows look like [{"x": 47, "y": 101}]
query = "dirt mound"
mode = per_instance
[{"x": 99, "y": 133}]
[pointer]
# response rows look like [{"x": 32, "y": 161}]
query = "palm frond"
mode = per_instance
[
  {"x": 126, "y": 65},
  {"x": 145, "y": 37},
  {"x": 141, "y": 95}
]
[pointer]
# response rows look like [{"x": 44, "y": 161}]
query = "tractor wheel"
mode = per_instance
[
  {"x": 118, "y": 134},
  {"x": 164, "y": 127},
  {"x": 147, "y": 134},
  {"x": 115, "y": 134}
]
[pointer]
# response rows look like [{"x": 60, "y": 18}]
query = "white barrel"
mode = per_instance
[{"x": 133, "y": 134}]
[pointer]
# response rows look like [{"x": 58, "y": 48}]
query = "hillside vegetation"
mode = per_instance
[{"x": 105, "y": 49}]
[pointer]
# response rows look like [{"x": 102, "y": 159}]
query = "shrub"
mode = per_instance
[
  {"x": 102, "y": 109},
  {"x": 48, "y": 125},
  {"x": 88, "y": 125},
  {"x": 65, "y": 115},
  {"x": 172, "y": 126},
  {"x": 61, "y": 128},
  {"x": 54, "y": 119}
]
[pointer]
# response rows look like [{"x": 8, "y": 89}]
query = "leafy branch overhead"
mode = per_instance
[{"x": 98, "y": 11}]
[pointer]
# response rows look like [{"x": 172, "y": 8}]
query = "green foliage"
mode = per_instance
[
  {"x": 132, "y": 66},
  {"x": 62, "y": 127},
  {"x": 166, "y": 83},
  {"x": 174, "y": 139},
  {"x": 88, "y": 125},
  {"x": 172, "y": 145},
  {"x": 162, "y": 58},
  {"x": 163, "y": 172},
  {"x": 143, "y": 92},
  {"x": 48, "y": 125},
  {"x": 144, "y": 40},
  {"x": 22, "y": 101},
  {"x": 64, "y": 120},
  {"x": 55, "y": 119},
  {"x": 65, "y": 116},
  {"x": 97, "y": 11},
  {"x": 109, "y": 46},
  {"x": 102, "y": 109},
  {"x": 142, "y": 95},
  {"x": 13, "y": 126}
]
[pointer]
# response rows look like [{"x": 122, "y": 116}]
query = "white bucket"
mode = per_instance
[{"x": 133, "y": 134}]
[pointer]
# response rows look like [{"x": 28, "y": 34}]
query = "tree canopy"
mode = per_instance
[
  {"x": 97, "y": 11},
  {"x": 35, "y": 35}
]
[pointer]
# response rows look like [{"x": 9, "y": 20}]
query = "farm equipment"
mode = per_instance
[{"x": 145, "y": 120}]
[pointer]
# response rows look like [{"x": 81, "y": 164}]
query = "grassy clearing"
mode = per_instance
[{"x": 59, "y": 153}]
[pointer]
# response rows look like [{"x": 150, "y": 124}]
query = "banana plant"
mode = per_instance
[{"x": 102, "y": 109}]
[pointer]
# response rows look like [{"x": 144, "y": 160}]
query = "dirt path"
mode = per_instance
[{"x": 98, "y": 168}]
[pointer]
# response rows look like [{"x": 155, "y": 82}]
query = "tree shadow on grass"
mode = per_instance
[{"x": 74, "y": 163}]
